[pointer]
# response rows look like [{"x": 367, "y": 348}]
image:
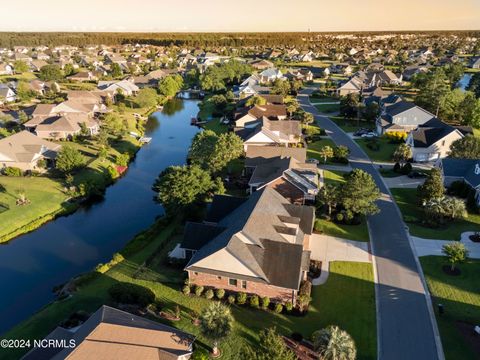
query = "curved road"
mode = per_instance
[{"x": 406, "y": 327}]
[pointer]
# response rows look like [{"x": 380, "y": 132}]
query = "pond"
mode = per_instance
[
  {"x": 32, "y": 264},
  {"x": 464, "y": 81}
]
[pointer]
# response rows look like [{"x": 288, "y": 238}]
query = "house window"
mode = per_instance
[
  {"x": 219, "y": 278},
  {"x": 244, "y": 284},
  {"x": 195, "y": 273},
  {"x": 232, "y": 282}
]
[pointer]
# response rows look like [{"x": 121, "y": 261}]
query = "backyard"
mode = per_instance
[
  {"x": 407, "y": 202},
  {"x": 332, "y": 303},
  {"x": 460, "y": 296}
]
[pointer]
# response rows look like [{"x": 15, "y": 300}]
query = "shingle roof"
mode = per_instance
[
  {"x": 469, "y": 169},
  {"x": 430, "y": 132},
  {"x": 24, "y": 147}
]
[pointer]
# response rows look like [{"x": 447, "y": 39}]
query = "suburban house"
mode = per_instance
[
  {"x": 270, "y": 75},
  {"x": 283, "y": 169},
  {"x": 261, "y": 64},
  {"x": 110, "y": 333},
  {"x": 466, "y": 170},
  {"x": 258, "y": 245},
  {"x": 402, "y": 116},
  {"x": 352, "y": 86},
  {"x": 125, "y": 87},
  {"x": 271, "y": 133},
  {"x": 64, "y": 126},
  {"x": 7, "y": 94},
  {"x": 475, "y": 63},
  {"x": 6, "y": 69},
  {"x": 23, "y": 150},
  {"x": 83, "y": 76},
  {"x": 432, "y": 140},
  {"x": 251, "y": 116}
]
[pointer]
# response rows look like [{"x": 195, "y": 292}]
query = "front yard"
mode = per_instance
[
  {"x": 347, "y": 299},
  {"x": 351, "y": 125},
  {"x": 385, "y": 149},
  {"x": 460, "y": 296},
  {"x": 407, "y": 202}
]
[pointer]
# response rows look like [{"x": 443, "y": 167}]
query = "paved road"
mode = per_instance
[{"x": 406, "y": 326}]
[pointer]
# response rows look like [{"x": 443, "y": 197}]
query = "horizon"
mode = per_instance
[{"x": 214, "y": 16}]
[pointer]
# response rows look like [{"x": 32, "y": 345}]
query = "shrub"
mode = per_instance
[
  {"x": 265, "y": 302},
  {"x": 186, "y": 290},
  {"x": 397, "y": 167},
  {"x": 406, "y": 169},
  {"x": 209, "y": 294},
  {"x": 127, "y": 293},
  {"x": 198, "y": 290},
  {"x": 339, "y": 217},
  {"x": 254, "y": 302},
  {"x": 231, "y": 299},
  {"x": 220, "y": 293},
  {"x": 12, "y": 171},
  {"x": 278, "y": 308},
  {"x": 241, "y": 298},
  {"x": 297, "y": 336},
  {"x": 459, "y": 188},
  {"x": 288, "y": 306}
]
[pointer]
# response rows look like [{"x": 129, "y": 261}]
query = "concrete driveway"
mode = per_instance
[
  {"x": 425, "y": 247},
  {"x": 403, "y": 182},
  {"x": 326, "y": 248}
]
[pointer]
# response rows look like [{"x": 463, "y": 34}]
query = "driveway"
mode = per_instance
[
  {"x": 425, "y": 247},
  {"x": 326, "y": 248},
  {"x": 406, "y": 326},
  {"x": 403, "y": 182}
]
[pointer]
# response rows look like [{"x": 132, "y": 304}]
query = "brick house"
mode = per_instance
[{"x": 257, "y": 245}]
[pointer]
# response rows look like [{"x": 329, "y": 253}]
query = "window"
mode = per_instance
[
  {"x": 219, "y": 278},
  {"x": 232, "y": 282},
  {"x": 195, "y": 273},
  {"x": 244, "y": 284}
]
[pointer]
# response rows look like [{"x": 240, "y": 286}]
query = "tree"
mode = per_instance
[
  {"x": 122, "y": 159},
  {"x": 329, "y": 196},
  {"x": 307, "y": 118},
  {"x": 432, "y": 91},
  {"x": 256, "y": 100},
  {"x": 349, "y": 106},
  {"x": 446, "y": 208},
  {"x": 116, "y": 70},
  {"x": 370, "y": 112},
  {"x": 69, "y": 159},
  {"x": 402, "y": 153},
  {"x": 270, "y": 347},
  {"x": 432, "y": 188},
  {"x": 178, "y": 187},
  {"x": 456, "y": 253},
  {"x": 68, "y": 69},
  {"x": 24, "y": 92},
  {"x": 114, "y": 125},
  {"x": 51, "y": 73},
  {"x": 326, "y": 152},
  {"x": 467, "y": 147},
  {"x": 20, "y": 66},
  {"x": 359, "y": 193},
  {"x": 281, "y": 87},
  {"x": 332, "y": 343},
  {"x": 216, "y": 323},
  {"x": 146, "y": 98},
  {"x": 291, "y": 107},
  {"x": 170, "y": 85},
  {"x": 341, "y": 152}
]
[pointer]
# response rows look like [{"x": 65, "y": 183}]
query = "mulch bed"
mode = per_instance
[
  {"x": 303, "y": 350},
  {"x": 447, "y": 269},
  {"x": 469, "y": 336}
]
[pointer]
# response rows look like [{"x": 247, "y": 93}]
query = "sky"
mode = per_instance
[{"x": 238, "y": 15}]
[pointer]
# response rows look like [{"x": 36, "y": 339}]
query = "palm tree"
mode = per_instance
[
  {"x": 326, "y": 152},
  {"x": 216, "y": 322},
  {"x": 333, "y": 343}
]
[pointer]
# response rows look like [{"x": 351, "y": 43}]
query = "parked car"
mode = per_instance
[
  {"x": 362, "y": 131},
  {"x": 312, "y": 161},
  {"x": 369, "y": 135},
  {"x": 416, "y": 175}
]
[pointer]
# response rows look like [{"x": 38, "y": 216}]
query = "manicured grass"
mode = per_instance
[
  {"x": 328, "y": 108},
  {"x": 476, "y": 132},
  {"x": 313, "y": 149},
  {"x": 351, "y": 125},
  {"x": 215, "y": 126},
  {"x": 460, "y": 296},
  {"x": 45, "y": 197},
  {"x": 389, "y": 173},
  {"x": 322, "y": 99},
  {"x": 406, "y": 201},
  {"x": 351, "y": 232},
  {"x": 385, "y": 152},
  {"x": 332, "y": 303}
]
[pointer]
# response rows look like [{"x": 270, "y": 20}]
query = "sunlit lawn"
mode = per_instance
[
  {"x": 460, "y": 296},
  {"x": 383, "y": 154}
]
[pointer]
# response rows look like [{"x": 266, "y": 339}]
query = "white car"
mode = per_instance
[
  {"x": 312, "y": 161},
  {"x": 369, "y": 135}
]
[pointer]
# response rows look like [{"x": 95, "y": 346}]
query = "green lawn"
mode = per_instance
[
  {"x": 313, "y": 149},
  {"x": 406, "y": 200},
  {"x": 476, "y": 132},
  {"x": 322, "y": 98},
  {"x": 328, "y": 108},
  {"x": 351, "y": 232},
  {"x": 385, "y": 152},
  {"x": 215, "y": 126},
  {"x": 347, "y": 300},
  {"x": 351, "y": 125},
  {"x": 45, "y": 194},
  {"x": 460, "y": 296}
]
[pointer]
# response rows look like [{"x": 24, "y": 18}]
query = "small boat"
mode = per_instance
[{"x": 145, "y": 140}]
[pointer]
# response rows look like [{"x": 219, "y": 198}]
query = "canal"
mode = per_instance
[{"x": 32, "y": 264}]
